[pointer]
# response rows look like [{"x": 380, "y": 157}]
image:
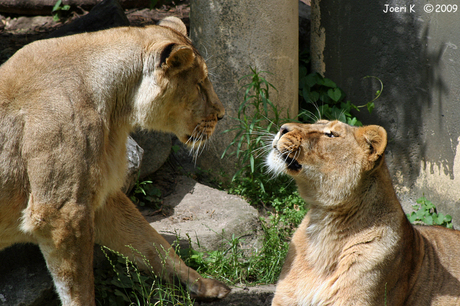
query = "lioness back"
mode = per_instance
[
  {"x": 67, "y": 106},
  {"x": 440, "y": 269},
  {"x": 355, "y": 246}
]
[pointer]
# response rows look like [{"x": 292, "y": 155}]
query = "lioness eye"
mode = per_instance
[{"x": 330, "y": 134}]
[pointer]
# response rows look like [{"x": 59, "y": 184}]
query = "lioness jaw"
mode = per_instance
[
  {"x": 355, "y": 245},
  {"x": 67, "y": 106}
]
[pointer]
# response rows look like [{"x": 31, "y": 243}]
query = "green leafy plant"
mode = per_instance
[
  {"x": 257, "y": 121},
  {"x": 145, "y": 193},
  {"x": 320, "y": 97},
  {"x": 253, "y": 121},
  {"x": 425, "y": 212},
  {"x": 58, "y": 9}
]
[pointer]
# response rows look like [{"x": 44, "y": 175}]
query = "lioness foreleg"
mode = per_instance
[
  {"x": 65, "y": 236},
  {"x": 120, "y": 224}
]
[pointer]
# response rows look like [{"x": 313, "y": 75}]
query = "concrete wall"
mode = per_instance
[
  {"x": 233, "y": 35},
  {"x": 416, "y": 55}
]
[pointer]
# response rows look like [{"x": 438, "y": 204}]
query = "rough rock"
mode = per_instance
[
  {"x": 134, "y": 154},
  {"x": 25, "y": 280},
  {"x": 24, "y": 24},
  {"x": 157, "y": 147},
  {"x": 253, "y": 296},
  {"x": 206, "y": 215}
]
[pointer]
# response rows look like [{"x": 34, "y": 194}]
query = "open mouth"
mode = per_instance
[{"x": 291, "y": 163}]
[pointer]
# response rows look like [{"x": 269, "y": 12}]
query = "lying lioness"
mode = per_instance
[
  {"x": 356, "y": 246},
  {"x": 67, "y": 106}
]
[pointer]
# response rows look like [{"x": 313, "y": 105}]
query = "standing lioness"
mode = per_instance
[
  {"x": 356, "y": 246},
  {"x": 67, "y": 106}
]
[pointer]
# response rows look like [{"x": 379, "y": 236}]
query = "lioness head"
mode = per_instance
[
  {"x": 327, "y": 159},
  {"x": 175, "y": 93}
]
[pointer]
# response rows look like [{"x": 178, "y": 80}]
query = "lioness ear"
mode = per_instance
[
  {"x": 175, "y": 58},
  {"x": 174, "y": 23},
  {"x": 373, "y": 140}
]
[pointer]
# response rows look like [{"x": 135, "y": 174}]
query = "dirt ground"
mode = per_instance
[{"x": 17, "y": 31}]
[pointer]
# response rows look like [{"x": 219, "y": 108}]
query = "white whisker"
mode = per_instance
[
  {"x": 273, "y": 123},
  {"x": 310, "y": 115},
  {"x": 262, "y": 150}
]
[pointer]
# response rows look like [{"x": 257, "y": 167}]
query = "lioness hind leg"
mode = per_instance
[
  {"x": 119, "y": 224},
  {"x": 66, "y": 238}
]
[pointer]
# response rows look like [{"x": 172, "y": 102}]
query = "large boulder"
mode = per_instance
[
  {"x": 156, "y": 146},
  {"x": 134, "y": 154},
  {"x": 209, "y": 215}
]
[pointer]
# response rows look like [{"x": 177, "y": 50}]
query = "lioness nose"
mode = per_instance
[{"x": 283, "y": 130}]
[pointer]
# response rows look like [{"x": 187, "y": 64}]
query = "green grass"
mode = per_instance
[
  {"x": 119, "y": 282},
  {"x": 235, "y": 265}
]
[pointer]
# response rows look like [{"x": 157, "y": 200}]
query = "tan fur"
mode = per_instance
[
  {"x": 67, "y": 106},
  {"x": 356, "y": 246}
]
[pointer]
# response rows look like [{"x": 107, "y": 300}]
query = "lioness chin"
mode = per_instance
[
  {"x": 67, "y": 106},
  {"x": 356, "y": 246}
]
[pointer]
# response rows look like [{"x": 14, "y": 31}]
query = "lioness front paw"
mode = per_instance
[{"x": 209, "y": 289}]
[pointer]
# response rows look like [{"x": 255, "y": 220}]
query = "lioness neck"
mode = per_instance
[
  {"x": 115, "y": 71},
  {"x": 360, "y": 218}
]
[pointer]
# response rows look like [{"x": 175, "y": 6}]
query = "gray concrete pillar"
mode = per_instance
[{"x": 233, "y": 35}]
